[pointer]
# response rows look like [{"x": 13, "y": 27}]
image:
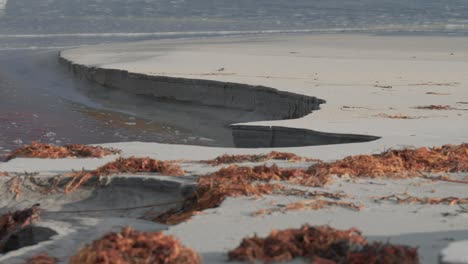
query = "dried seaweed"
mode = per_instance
[
  {"x": 409, "y": 199},
  {"x": 399, "y": 116},
  {"x": 274, "y": 155},
  {"x": 12, "y": 222},
  {"x": 312, "y": 204},
  {"x": 434, "y": 107},
  {"x": 321, "y": 244},
  {"x": 314, "y": 194},
  {"x": 134, "y": 247},
  {"x": 354, "y": 107},
  {"x": 121, "y": 165},
  {"x": 4, "y": 174},
  {"x": 41, "y": 150},
  {"x": 445, "y": 178},
  {"x": 436, "y": 93},
  {"x": 236, "y": 181},
  {"x": 435, "y": 84},
  {"x": 134, "y": 165},
  {"x": 398, "y": 164},
  {"x": 383, "y": 86},
  {"x": 43, "y": 258},
  {"x": 233, "y": 181}
]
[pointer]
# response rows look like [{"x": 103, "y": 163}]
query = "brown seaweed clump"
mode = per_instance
[
  {"x": 41, "y": 150},
  {"x": 133, "y": 247},
  {"x": 409, "y": 199},
  {"x": 274, "y": 155},
  {"x": 121, "y": 165},
  {"x": 398, "y": 164},
  {"x": 233, "y": 181},
  {"x": 135, "y": 165},
  {"x": 312, "y": 204},
  {"x": 398, "y": 116},
  {"x": 321, "y": 244},
  {"x": 434, "y": 107},
  {"x": 43, "y": 258}
]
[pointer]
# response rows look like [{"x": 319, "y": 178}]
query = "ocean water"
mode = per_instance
[
  {"x": 56, "y": 23},
  {"x": 40, "y": 101},
  {"x": 86, "y": 16}
]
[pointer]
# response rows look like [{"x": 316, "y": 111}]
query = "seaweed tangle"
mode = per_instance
[
  {"x": 321, "y": 244},
  {"x": 274, "y": 155},
  {"x": 211, "y": 190},
  {"x": 121, "y": 165},
  {"x": 133, "y": 247},
  {"x": 41, "y": 150}
]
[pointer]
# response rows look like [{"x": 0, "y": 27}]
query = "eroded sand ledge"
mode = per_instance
[
  {"x": 272, "y": 104},
  {"x": 204, "y": 92}
]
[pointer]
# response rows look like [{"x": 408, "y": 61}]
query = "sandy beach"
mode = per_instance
[{"x": 331, "y": 96}]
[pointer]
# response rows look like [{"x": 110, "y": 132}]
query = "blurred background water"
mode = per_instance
[
  {"x": 39, "y": 101},
  {"x": 98, "y": 16}
]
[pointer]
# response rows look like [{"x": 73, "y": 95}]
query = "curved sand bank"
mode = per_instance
[
  {"x": 352, "y": 73},
  {"x": 263, "y": 103}
]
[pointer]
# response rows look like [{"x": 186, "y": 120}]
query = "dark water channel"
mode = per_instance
[{"x": 41, "y": 100}]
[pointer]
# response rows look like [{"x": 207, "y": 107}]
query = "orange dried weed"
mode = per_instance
[
  {"x": 446, "y": 179},
  {"x": 41, "y": 150},
  {"x": 121, "y": 165},
  {"x": 436, "y": 93},
  {"x": 274, "y": 155},
  {"x": 409, "y": 199},
  {"x": 133, "y": 247},
  {"x": 398, "y": 116},
  {"x": 312, "y": 204},
  {"x": 398, "y": 164},
  {"x": 314, "y": 194},
  {"x": 135, "y": 165},
  {"x": 236, "y": 181},
  {"x": 321, "y": 244},
  {"x": 434, "y": 107}
]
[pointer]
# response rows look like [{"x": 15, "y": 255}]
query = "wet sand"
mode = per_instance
[{"x": 42, "y": 101}]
